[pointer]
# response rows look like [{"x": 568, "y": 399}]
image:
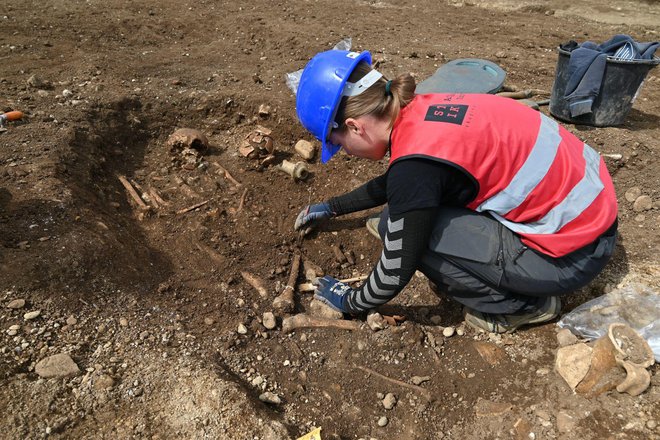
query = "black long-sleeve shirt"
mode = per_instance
[{"x": 414, "y": 190}]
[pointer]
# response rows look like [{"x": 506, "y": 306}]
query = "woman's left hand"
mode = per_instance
[{"x": 311, "y": 216}]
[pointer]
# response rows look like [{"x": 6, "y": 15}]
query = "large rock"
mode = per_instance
[
  {"x": 58, "y": 366},
  {"x": 573, "y": 363}
]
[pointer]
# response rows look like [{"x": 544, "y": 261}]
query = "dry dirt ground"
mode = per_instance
[{"x": 149, "y": 306}]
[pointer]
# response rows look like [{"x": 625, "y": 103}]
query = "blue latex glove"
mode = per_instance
[
  {"x": 310, "y": 217},
  {"x": 332, "y": 292}
]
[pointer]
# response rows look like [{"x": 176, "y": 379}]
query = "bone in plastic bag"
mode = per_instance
[
  {"x": 293, "y": 79},
  {"x": 636, "y": 305}
]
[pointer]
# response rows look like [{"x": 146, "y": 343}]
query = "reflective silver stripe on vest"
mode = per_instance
[
  {"x": 578, "y": 199},
  {"x": 534, "y": 169}
]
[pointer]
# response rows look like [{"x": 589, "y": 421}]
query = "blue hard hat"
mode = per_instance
[{"x": 320, "y": 90}]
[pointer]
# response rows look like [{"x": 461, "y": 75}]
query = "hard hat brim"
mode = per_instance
[{"x": 328, "y": 149}]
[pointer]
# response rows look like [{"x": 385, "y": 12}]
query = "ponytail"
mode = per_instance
[
  {"x": 384, "y": 99},
  {"x": 399, "y": 92}
]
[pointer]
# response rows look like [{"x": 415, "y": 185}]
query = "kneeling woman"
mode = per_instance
[{"x": 498, "y": 205}]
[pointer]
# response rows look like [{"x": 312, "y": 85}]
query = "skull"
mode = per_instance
[{"x": 187, "y": 138}]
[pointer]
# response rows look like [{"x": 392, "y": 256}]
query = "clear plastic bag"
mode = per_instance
[
  {"x": 636, "y": 305},
  {"x": 293, "y": 79}
]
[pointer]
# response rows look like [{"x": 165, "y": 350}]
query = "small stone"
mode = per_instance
[
  {"x": 257, "y": 381},
  {"x": 448, "y": 332},
  {"x": 242, "y": 330},
  {"x": 136, "y": 392},
  {"x": 71, "y": 320},
  {"x": 269, "y": 397},
  {"x": 436, "y": 319},
  {"x": 460, "y": 331},
  {"x": 651, "y": 424},
  {"x": 37, "y": 82},
  {"x": 11, "y": 332},
  {"x": 632, "y": 194},
  {"x": 264, "y": 110},
  {"x": 383, "y": 421},
  {"x": 389, "y": 401},
  {"x": 543, "y": 371},
  {"x": 543, "y": 415},
  {"x": 565, "y": 337},
  {"x": 58, "y": 365},
  {"x": 522, "y": 430},
  {"x": 31, "y": 315},
  {"x": 487, "y": 408},
  {"x": 16, "y": 304},
  {"x": 418, "y": 380},
  {"x": 104, "y": 382},
  {"x": 269, "y": 321},
  {"x": 15, "y": 327},
  {"x": 565, "y": 422},
  {"x": 640, "y": 218},
  {"x": 209, "y": 321},
  {"x": 642, "y": 203},
  {"x": 123, "y": 322},
  {"x": 375, "y": 321},
  {"x": 67, "y": 93},
  {"x": 305, "y": 149}
]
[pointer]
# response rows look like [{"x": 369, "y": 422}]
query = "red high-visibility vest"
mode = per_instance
[{"x": 533, "y": 175}]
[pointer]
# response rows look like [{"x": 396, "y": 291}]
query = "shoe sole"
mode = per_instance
[{"x": 551, "y": 314}]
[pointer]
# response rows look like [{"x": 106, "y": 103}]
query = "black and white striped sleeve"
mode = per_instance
[{"x": 406, "y": 240}]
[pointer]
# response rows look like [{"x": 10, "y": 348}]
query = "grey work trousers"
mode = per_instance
[{"x": 483, "y": 265}]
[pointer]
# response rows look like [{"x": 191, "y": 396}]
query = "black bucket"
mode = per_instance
[{"x": 621, "y": 84}]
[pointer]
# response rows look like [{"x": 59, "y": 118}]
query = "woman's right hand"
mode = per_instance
[{"x": 310, "y": 217}]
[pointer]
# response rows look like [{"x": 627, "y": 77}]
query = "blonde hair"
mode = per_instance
[{"x": 375, "y": 101}]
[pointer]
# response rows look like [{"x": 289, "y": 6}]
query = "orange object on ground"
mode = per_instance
[
  {"x": 9, "y": 116},
  {"x": 12, "y": 116}
]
